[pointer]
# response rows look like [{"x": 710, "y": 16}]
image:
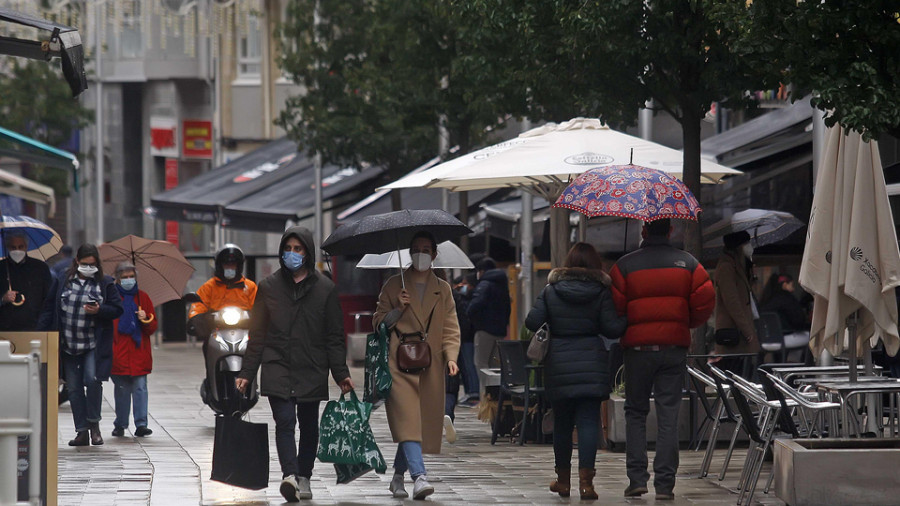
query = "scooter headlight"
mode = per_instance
[{"x": 231, "y": 316}]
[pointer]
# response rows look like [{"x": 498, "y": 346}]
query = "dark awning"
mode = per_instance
[
  {"x": 774, "y": 132},
  {"x": 294, "y": 198},
  {"x": 63, "y": 42},
  {"x": 202, "y": 198}
]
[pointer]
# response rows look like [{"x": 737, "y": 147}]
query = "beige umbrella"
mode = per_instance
[
  {"x": 851, "y": 261},
  {"x": 162, "y": 271}
]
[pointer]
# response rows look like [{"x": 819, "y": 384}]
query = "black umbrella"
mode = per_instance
[{"x": 380, "y": 233}]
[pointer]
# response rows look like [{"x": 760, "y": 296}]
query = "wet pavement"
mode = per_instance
[{"x": 172, "y": 466}]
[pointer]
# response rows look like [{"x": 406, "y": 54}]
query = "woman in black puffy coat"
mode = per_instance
[{"x": 579, "y": 307}]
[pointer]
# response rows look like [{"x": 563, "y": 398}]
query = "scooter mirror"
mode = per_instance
[{"x": 191, "y": 297}]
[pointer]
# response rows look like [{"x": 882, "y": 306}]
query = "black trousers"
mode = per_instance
[{"x": 287, "y": 414}]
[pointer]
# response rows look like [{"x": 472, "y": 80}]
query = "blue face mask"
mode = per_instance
[
  {"x": 128, "y": 283},
  {"x": 292, "y": 260}
]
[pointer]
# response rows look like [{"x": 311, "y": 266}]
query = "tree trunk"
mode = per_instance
[
  {"x": 559, "y": 236},
  {"x": 690, "y": 128}
]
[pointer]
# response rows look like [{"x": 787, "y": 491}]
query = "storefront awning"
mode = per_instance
[
  {"x": 294, "y": 198},
  {"x": 772, "y": 133},
  {"x": 20, "y": 147},
  {"x": 202, "y": 198},
  {"x": 18, "y": 186}
]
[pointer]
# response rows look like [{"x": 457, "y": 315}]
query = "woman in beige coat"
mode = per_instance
[
  {"x": 735, "y": 305},
  {"x": 415, "y": 405}
]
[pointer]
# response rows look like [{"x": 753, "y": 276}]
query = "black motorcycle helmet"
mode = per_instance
[{"x": 228, "y": 254}]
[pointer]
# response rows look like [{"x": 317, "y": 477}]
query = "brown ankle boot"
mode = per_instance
[
  {"x": 563, "y": 482},
  {"x": 96, "y": 438},
  {"x": 586, "y": 483},
  {"x": 81, "y": 439}
]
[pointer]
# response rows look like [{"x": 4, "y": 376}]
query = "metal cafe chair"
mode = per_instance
[
  {"x": 514, "y": 383},
  {"x": 807, "y": 405},
  {"x": 716, "y": 415},
  {"x": 724, "y": 389},
  {"x": 761, "y": 430}
]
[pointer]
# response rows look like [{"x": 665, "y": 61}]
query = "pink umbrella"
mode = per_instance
[{"x": 162, "y": 271}]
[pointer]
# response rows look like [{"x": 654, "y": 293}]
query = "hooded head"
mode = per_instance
[{"x": 304, "y": 235}]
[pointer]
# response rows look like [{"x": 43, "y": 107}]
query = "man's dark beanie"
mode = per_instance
[{"x": 733, "y": 240}]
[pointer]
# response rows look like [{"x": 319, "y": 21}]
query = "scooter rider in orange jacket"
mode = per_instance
[{"x": 227, "y": 287}]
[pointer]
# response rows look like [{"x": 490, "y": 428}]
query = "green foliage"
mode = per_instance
[
  {"x": 606, "y": 58},
  {"x": 847, "y": 53},
  {"x": 36, "y": 101},
  {"x": 378, "y": 75}
]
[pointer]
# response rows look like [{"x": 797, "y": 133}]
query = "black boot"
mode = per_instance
[
  {"x": 96, "y": 438},
  {"x": 81, "y": 439}
]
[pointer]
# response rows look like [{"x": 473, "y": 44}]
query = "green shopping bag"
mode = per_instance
[
  {"x": 341, "y": 438},
  {"x": 364, "y": 449},
  {"x": 378, "y": 374}
]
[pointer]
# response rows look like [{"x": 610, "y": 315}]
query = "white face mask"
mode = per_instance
[
  {"x": 17, "y": 256},
  {"x": 87, "y": 271},
  {"x": 748, "y": 250},
  {"x": 230, "y": 273},
  {"x": 421, "y": 261}
]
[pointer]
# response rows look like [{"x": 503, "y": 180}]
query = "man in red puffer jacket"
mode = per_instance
[
  {"x": 664, "y": 292},
  {"x": 132, "y": 358}
]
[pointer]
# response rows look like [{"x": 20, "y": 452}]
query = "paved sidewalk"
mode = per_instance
[{"x": 172, "y": 466}]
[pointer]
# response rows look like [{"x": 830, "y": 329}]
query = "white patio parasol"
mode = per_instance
[
  {"x": 544, "y": 160},
  {"x": 553, "y": 155},
  {"x": 449, "y": 256},
  {"x": 851, "y": 263}
]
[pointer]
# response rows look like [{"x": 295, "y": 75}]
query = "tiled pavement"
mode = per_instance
[{"x": 172, "y": 466}]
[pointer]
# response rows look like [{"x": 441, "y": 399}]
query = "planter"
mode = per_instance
[
  {"x": 616, "y": 423},
  {"x": 837, "y": 471}
]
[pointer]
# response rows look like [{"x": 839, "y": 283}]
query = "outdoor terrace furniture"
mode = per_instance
[
  {"x": 717, "y": 413},
  {"x": 789, "y": 373},
  {"x": 761, "y": 430},
  {"x": 845, "y": 391},
  {"x": 723, "y": 388},
  {"x": 515, "y": 383},
  {"x": 806, "y": 405}
]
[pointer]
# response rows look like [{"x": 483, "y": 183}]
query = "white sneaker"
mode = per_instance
[
  {"x": 289, "y": 488},
  {"x": 449, "y": 429},
  {"x": 422, "y": 489},
  {"x": 303, "y": 490},
  {"x": 397, "y": 487}
]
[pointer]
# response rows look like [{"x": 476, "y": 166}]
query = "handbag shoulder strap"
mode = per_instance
[{"x": 547, "y": 303}]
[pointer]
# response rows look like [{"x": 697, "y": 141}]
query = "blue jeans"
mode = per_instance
[
  {"x": 467, "y": 368},
  {"x": 584, "y": 413},
  {"x": 409, "y": 458},
  {"x": 450, "y": 406},
  {"x": 128, "y": 390},
  {"x": 81, "y": 375},
  {"x": 293, "y": 460}
]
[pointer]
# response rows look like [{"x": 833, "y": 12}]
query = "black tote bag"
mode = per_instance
[{"x": 241, "y": 453}]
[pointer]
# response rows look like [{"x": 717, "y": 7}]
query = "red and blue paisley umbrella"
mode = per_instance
[{"x": 629, "y": 191}]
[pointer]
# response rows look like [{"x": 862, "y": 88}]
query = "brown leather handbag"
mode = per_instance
[{"x": 414, "y": 352}]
